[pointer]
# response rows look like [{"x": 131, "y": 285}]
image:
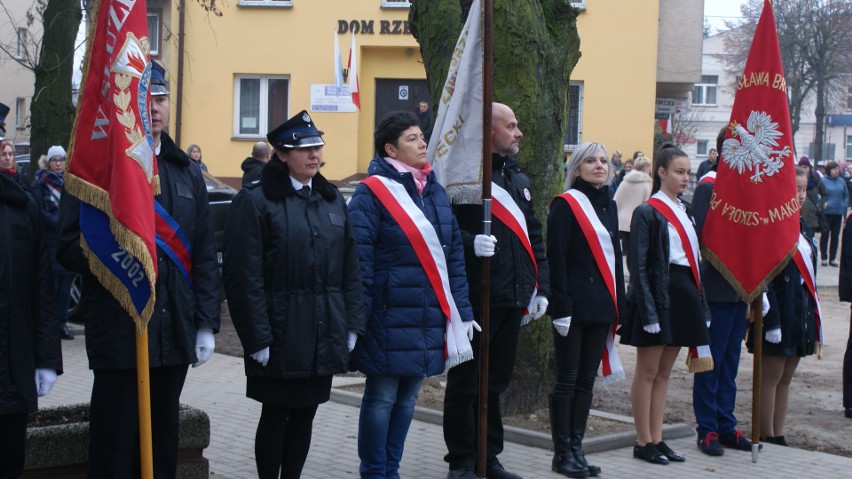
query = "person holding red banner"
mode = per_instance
[
  {"x": 667, "y": 306},
  {"x": 792, "y": 328},
  {"x": 587, "y": 297},
  {"x": 420, "y": 320},
  {"x": 185, "y": 317}
]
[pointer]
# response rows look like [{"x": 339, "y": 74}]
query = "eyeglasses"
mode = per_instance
[{"x": 56, "y": 160}]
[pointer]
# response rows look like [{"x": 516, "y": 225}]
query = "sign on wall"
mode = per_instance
[{"x": 331, "y": 99}]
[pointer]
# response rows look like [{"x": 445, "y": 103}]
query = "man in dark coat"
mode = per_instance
[
  {"x": 181, "y": 328},
  {"x": 424, "y": 116},
  {"x": 30, "y": 354},
  {"x": 513, "y": 281},
  {"x": 252, "y": 165},
  {"x": 844, "y": 287}
]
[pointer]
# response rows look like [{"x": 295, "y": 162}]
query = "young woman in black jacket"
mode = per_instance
[
  {"x": 587, "y": 288},
  {"x": 667, "y": 309}
]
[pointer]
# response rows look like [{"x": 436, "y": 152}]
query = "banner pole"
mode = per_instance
[
  {"x": 146, "y": 454},
  {"x": 757, "y": 315},
  {"x": 487, "y": 63}
]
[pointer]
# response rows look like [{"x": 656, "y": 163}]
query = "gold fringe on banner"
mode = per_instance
[
  {"x": 748, "y": 296},
  {"x": 699, "y": 365}
]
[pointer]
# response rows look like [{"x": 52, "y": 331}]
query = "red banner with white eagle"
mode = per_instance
[
  {"x": 753, "y": 222},
  {"x": 113, "y": 170}
]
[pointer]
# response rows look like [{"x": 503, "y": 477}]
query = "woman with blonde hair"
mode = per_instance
[{"x": 633, "y": 190}]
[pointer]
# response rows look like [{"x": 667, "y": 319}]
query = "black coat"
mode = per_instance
[
  {"x": 29, "y": 335},
  {"x": 648, "y": 263},
  {"x": 292, "y": 276},
  {"x": 251, "y": 167},
  {"x": 180, "y": 310},
  {"x": 576, "y": 284},
  {"x": 512, "y": 273},
  {"x": 844, "y": 286}
]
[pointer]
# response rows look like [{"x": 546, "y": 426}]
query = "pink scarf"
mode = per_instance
[{"x": 419, "y": 175}]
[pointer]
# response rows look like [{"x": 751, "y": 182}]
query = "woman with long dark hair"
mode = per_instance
[
  {"x": 587, "y": 284},
  {"x": 667, "y": 307}
]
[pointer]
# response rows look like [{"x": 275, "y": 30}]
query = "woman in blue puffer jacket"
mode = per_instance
[
  {"x": 835, "y": 210},
  {"x": 406, "y": 325}
]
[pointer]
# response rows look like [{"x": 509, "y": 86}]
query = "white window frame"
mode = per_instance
[
  {"x": 568, "y": 147},
  {"x": 21, "y": 113},
  {"x": 396, "y": 4},
  {"x": 705, "y": 86},
  {"x": 849, "y": 98},
  {"x": 263, "y": 110},
  {"x": 155, "y": 39},
  {"x": 21, "y": 50},
  {"x": 699, "y": 144},
  {"x": 848, "y": 147},
  {"x": 266, "y": 3},
  {"x": 580, "y": 4}
]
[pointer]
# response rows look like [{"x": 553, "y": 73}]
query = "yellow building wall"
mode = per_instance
[
  {"x": 298, "y": 42},
  {"x": 618, "y": 70}
]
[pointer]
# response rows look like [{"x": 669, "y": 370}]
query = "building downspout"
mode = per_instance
[{"x": 179, "y": 100}]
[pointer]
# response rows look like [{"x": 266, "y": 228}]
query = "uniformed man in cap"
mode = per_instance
[
  {"x": 180, "y": 332},
  {"x": 292, "y": 279}
]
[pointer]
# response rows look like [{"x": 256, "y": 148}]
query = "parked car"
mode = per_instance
[
  {"x": 219, "y": 197},
  {"x": 23, "y": 164}
]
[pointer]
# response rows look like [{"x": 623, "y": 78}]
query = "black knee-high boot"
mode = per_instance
[
  {"x": 564, "y": 461},
  {"x": 580, "y": 415}
]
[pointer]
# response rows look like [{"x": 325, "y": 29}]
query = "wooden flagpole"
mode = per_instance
[
  {"x": 487, "y": 63},
  {"x": 146, "y": 454},
  {"x": 757, "y": 360}
]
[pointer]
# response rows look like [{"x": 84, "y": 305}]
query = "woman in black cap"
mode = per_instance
[{"x": 292, "y": 281}]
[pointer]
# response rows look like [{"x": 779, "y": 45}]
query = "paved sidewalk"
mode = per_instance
[{"x": 218, "y": 388}]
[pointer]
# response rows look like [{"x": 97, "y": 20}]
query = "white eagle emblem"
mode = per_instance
[{"x": 754, "y": 148}]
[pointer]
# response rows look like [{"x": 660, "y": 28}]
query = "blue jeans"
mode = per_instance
[
  {"x": 714, "y": 393},
  {"x": 386, "y": 412}
]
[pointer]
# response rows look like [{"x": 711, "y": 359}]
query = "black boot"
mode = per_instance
[
  {"x": 580, "y": 412},
  {"x": 564, "y": 461}
]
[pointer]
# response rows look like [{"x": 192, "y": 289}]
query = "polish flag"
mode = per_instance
[
  {"x": 353, "y": 75},
  {"x": 338, "y": 73}
]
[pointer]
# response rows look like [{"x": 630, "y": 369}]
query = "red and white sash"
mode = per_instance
[
  {"x": 603, "y": 251},
  {"x": 505, "y": 209},
  {"x": 709, "y": 177},
  {"x": 802, "y": 258},
  {"x": 699, "y": 358},
  {"x": 424, "y": 240}
]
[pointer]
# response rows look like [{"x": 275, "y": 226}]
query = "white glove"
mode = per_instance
[
  {"x": 539, "y": 304},
  {"x": 773, "y": 336},
  {"x": 765, "y": 308},
  {"x": 562, "y": 325},
  {"x": 483, "y": 246},
  {"x": 44, "y": 379},
  {"x": 204, "y": 346},
  {"x": 470, "y": 327},
  {"x": 350, "y": 341},
  {"x": 707, "y": 323},
  {"x": 652, "y": 328},
  {"x": 262, "y": 356}
]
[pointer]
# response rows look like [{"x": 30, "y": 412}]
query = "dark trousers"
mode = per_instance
[
  {"x": 462, "y": 395},
  {"x": 578, "y": 356},
  {"x": 282, "y": 441},
  {"x": 114, "y": 422},
  {"x": 847, "y": 370},
  {"x": 714, "y": 393},
  {"x": 62, "y": 283},
  {"x": 13, "y": 438},
  {"x": 834, "y": 224},
  {"x": 625, "y": 241}
]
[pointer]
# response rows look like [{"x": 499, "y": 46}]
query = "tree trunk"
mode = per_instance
[
  {"x": 52, "y": 109},
  {"x": 536, "y": 46}
]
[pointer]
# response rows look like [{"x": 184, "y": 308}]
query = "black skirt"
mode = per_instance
[
  {"x": 682, "y": 325},
  {"x": 279, "y": 392}
]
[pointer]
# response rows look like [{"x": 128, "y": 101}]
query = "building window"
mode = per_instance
[
  {"x": 21, "y": 51},
  {"x": 21, "y": 113},
  {"x": 396, "y": 3},
  {"x": 260, "y": 104},
  {"x": 701, "y": 148},
  {"x": 849, "y": 147},
  {"x": 573, "y": 133},
  {"x": 849, "y": 98},
  {"x": 581, "y": 4},
  {"x": 154, "y": 31},
  {"x": 266, "y": 3},
  {"x": 704, "y": 93}
]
